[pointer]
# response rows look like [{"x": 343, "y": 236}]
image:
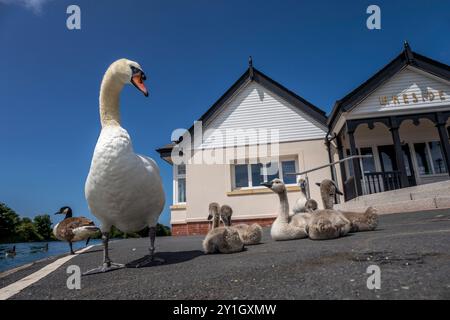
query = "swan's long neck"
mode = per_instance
[
  {"x": 327, "y": 200},
  {"x": 216, "y": 221},
  {"x": 110, "y": 100},
  {"x": 283, "y": 211}
]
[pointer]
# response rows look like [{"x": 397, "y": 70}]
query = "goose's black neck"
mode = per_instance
[{"x": 68, "y": 214}]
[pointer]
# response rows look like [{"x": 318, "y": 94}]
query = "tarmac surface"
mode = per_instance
[{"x": 412, "y": 251}]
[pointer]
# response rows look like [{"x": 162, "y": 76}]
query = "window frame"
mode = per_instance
[
  {"x": 429, "y": 157},
  {"x": 176, "y": 177},
  {"x": 249, "y": 163}
]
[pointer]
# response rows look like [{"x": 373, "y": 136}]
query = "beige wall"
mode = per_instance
[{"x": 213, "y": 183}]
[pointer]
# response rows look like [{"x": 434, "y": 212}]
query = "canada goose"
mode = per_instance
[
  {"x": 286, "y": 227},
  {"x": 221, "y": 239},
  {"x": 303, "y": 204},
  {"x": 11, "y": 252},
  {"x": 360, "y": 221},
  {"x": 250, "y": 234},
  {"x": 123, "y": 189},
  {"x": 73, "y": 229}
]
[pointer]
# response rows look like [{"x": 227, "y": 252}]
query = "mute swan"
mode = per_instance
[
  {"x": 250, "y": 234},
  {"x": 286, "y": 227},
  {"x": 123, "y": 189},
  {"x": 225, "y": 214},
  {"x": 73, "y": 229},
  {"x": 221, "y": 239},
  {"x": 360, "y": 221},
  {"x": 303, "y": 204},
  {"x": 328, "y": 223}
]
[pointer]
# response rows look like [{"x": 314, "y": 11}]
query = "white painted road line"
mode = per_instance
[{"x": 14, "y": 288}]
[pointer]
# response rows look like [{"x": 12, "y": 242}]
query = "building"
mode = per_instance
[{"x": 400, "y": 116}]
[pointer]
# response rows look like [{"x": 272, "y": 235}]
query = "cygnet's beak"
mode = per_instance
[{"x": 138, "y": 81}]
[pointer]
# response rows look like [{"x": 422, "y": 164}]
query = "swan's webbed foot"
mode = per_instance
[
  {"x": 106, "y": 267},
  {"x": 107, "y": 264}
]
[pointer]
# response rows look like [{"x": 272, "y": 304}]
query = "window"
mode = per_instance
[
  {"x": 423, "y": 164},
  {"x": 241, "y": 176},
  {"x": 252, "y": 175},
  {"x": 288, "y": 167},
  {"x": 257, "y": 174},
  {"x": 368, "y": 163},
  {"x": 272, "y": 171},
  {"x": 181, "y": 189},
  {"x": 436, "y": 157},
  {"x": 179, "y": 183}
]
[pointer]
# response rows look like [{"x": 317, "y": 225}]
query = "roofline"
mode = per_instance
[
  {"x": 406, "y": 58},
  {"x": 252, "y": 74}
]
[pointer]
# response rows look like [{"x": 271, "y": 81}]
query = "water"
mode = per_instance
[{"x": 33, "y": 251}]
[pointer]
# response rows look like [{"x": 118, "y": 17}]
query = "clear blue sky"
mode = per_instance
[{"x": 191, "y": 51}]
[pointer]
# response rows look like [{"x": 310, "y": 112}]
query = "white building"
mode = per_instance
[{"x": 400, "y": 116}]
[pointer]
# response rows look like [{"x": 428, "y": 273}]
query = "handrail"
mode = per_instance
[{"x": 330, "y": 164}]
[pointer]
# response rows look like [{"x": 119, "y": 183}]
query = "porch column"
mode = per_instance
[
  {"x": 440, "y": 125},
  {"x": 356, "y": 167},
  {"x": 340, "y": 150},
  {"x": 398, "y": 152}
]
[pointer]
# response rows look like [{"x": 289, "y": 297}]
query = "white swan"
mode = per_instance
[
  {"x": 286, "y": 227},
  {"x": 123, "y": 189}
]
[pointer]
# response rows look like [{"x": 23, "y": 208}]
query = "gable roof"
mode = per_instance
[
  {"x": 252, "y": 74},
  {"x": 405, "y": 58}
]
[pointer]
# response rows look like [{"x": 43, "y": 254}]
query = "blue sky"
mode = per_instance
[{"x": 191, "y": 51}]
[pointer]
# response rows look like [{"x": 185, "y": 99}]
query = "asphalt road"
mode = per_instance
[{"x": 412, "y": 250}]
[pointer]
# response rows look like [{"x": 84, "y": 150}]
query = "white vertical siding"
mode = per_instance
[
  {"x": 256, "y": 108},
  {"x": 427, "y": 90}
]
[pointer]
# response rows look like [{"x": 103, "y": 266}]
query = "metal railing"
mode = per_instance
[
  {"x": 332, "y": 164},
  {"x": 382, "y": 181}
]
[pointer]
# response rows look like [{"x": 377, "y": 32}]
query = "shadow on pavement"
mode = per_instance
[{"x": 169, "y": 258}]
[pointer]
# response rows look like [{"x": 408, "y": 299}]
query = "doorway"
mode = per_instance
[{"x": 388, "y": 161}]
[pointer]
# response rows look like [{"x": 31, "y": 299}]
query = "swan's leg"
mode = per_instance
[
  {"x": 151, "y": 257},
  {"x": 71, "y": 249},
  {"x": 107, "y": 264}
]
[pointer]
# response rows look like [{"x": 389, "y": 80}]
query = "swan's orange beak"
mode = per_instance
[{"x": 138, "y": 81}]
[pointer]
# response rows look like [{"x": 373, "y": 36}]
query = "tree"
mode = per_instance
[
  {"x": 43, "y": 226},
  {"x": 27, "y": 231},
  {"x": 9, "y": 220},
  {"x": 161, "y": 231}
]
